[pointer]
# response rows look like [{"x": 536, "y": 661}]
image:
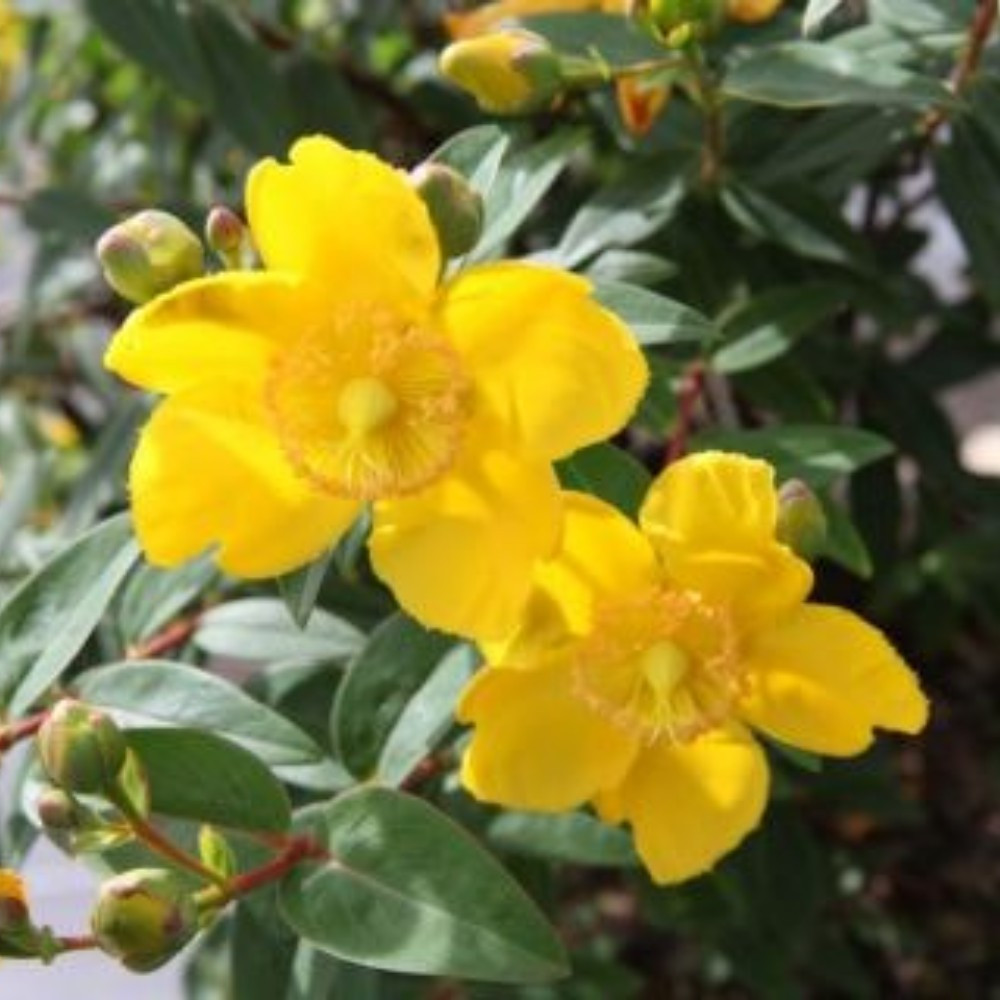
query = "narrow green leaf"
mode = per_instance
[
  {"x": 409, "y": 891},
  {"x": 476, "y": 154},
  {"x": 47, "y": 619},
  {"x": 153, "y": 597},
  {"x": 654, "y": 318},
  {"x": 576, "y": 837},
  {"x": 816, "y": 12},
  {"x": 144, "y": 692},
  {"x": 397, "y": 661},
  {"x": 300, "y": 590},
  {"x": 426, "y": 717},
  {"x": 200, "y": 776},
  {"x": 812, "y": 74},
  {"x": 770, "y": 324},
  {"x": 260, "y": 628}
]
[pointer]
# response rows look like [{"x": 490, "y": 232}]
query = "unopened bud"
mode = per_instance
[
  {"x": 227, "y": 234},
  {"x": 454, "y": 205},
  {"x": 144, "y": 917},
  {"x": 82, "y": 749},
  {"x": 679, "y": 22},
  {"x": 752, "y": 11},
  {"x": 13, "y": 903},
  {"x": 58, "y": 810},
  {"x": 801, "y": 520},
  {"x": 508, "y": 72},
  {"x": 149, "y": 254}
]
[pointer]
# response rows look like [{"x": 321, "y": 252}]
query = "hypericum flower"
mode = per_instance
[
  {"x": 345, "y": 374},
  {"x": 646, "y": 658}
]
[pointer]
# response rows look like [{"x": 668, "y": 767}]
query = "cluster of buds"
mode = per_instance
[
  {"x": 153, "y": 251},
  {"x": 142, "y": 917}
]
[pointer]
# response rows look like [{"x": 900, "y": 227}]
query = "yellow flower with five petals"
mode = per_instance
[
  {"x": 347, "y": 373},
  {"x": 647, "y": 657}
]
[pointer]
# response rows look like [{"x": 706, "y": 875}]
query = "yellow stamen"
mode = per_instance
[{"x": 365, "y": 405}]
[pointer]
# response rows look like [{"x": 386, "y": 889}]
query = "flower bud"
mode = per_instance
[
  {"x": 13, "y": 903},
  {"x": 144, "y": 917},
  {"x": 752, "y": 11},
  {"x": 148, "y": 254},
  {"x": 58, "y": 810},
  {"x": 508, "y": 72},
  {"x": 454, "y": 205},
  {"x": 801, "y": 520},
  {"x": 82, "y": 749},
  {"x": 227, "y": 234},
  {"x": 679, "y": 22}
]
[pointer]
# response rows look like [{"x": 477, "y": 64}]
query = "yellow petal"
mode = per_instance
[
  {"x": 222, "y": 327},
  {"x": 558, "y": 369},
  {"x": 489, "y": 16},
  {"x": 712, "y": 518},
  {"x": 823, "y": 679},
  {"x": 689, "y": 804},
  {"x": 209, "y": 472},
  {"x": 752, "y": 11},
  {"x": 346, "y": 221},
  {"x": 537, "y": 745},
  {"x": 460, "y": 554}
]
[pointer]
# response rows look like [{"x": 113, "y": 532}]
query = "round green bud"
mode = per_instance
[
  {"x": 801, "y": 519},
  {"x": 82, "y": 749},
  {"x": 144, "y": 917},
  {"x": 149, "y": 254},
  {"x": 508, "y": 72},
  {"x": 454, "y": 205},
  {"x": 58, "y": 810}
]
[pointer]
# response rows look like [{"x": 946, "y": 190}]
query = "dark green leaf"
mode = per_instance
[
  {"x": 148, "y": 691},
  {"x": 200, "y": 776},
  {"x": 577, "y": 837},
  {"x": 408, "y": 890},
  {"x": 47, "y": 619},
  {"x": 609, "y": 473},
  {"x": 653, "y": 318}
]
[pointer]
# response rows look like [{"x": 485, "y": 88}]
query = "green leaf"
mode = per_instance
[
  {"x": 816, "y": 454},
  {"x": 260, "y": 628},
  {"x": 813, "y": 74},
  {"x": 397, "y": 661},
  {"x": 409, "y": 891},
  {"x": 200, "y": 776},
  {"x": 67, "y": 213},
  {"x": 607, "y": 472},
  {"x": 521, "y": 183},
  {"x": 300, "y": 590},
  {"x": 248, "y": 96},
  {"x": 155, "y": 691},
  {"x": 798, "y": 220},
  {"x": 843, "y": 543},
  {"x": 153, "y": 597},
  {"x": 653, "y": 318},
  {"x": 215, "y": 852},
  {"x": 156, "y": 34},
  {"x": 47, "y": 619},
  {"x": 585, "y": 32},
  {"x": 576, "y": 837},
  {"x": 427, "y": 716},
  {"x": 768, "y": 325},
  {"x": 621, "y": 214},
  {"x": 476, "y": 154},
  {"x": 816, "y": 12}
]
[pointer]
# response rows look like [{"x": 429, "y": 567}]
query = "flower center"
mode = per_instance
[
  {"x": 365, "y": 404},
  {"x": 367, "y": 407},
  {"x": 662, "y": 666}
]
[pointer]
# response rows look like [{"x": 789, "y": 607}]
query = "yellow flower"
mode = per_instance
[
  {"x": 344, "y": 374},
  {"x": 491, "y": 15},
  {"x": 12, "y": 888},
  {"x": 752, "y": 11},
  {"x": 640, "y": 103},
  {"x": 646, "y": 657}
]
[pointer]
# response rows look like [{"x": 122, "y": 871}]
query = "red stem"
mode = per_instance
[
  {"x": 82, "y": 942},
  {"x": 296, "y": 850},
  {"x": 690, "y": 392},
  {"x": 170, "y": 638},
  {"x": 17, "y": 731},
  {"x": 155, "y": 841}
]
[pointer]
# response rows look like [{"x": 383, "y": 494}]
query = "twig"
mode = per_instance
[
  {"x": 692, "y": 386},
  {"x": 22, "y": 730},
  {"x": 171, "y": 637}
]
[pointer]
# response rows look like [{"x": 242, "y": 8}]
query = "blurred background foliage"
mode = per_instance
[{"x": 831, "y": 321}]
